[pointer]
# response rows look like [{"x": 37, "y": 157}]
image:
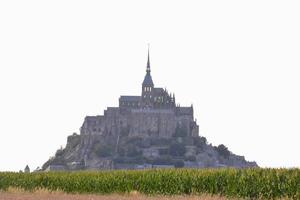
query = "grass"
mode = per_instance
[{"x": 43, "y": 194}]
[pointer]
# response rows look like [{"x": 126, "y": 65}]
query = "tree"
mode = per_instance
[
  {"x": 223, "y": 151},
  {"x": 132, "y": 151},
  {"x": 59, "y": 152},
  {"x": 200, "y": 142}
]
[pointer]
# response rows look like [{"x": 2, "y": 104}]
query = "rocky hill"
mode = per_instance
[{"x": 104, "y": 152}]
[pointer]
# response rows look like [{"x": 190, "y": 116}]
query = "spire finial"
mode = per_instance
[{"x": 148, "y": 61}]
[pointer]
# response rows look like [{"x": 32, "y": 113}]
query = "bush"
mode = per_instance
[
  {"x": 200, "y": 142},
  {"x": 121, "y": 151},
  {"x": 132, "y": 151},
  {"x": 59, "y": 153},
  {"x": 223, "y": 151}
]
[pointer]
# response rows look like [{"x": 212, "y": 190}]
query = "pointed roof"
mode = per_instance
[
  {"x": 148, "y": 79},
  {"x": 148, "y": 61}
]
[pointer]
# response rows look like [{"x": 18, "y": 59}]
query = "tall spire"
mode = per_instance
[
  {"x": 148, "y": 61},
  {"x": 148, "y": 79}
]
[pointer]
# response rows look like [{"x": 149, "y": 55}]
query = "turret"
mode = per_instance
[{"x": 174, "y": 100}]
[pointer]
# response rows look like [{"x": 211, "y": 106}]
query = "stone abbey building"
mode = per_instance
[
  {"x": 154, "y": 113},
  {"x": 147, "y": 131}
]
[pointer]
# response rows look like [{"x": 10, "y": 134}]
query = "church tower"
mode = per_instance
[{"x": 147, "y": 87}]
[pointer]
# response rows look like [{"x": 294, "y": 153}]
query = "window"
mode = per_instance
[{"x": 147, "y": 89}]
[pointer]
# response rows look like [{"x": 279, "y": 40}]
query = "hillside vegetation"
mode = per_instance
[{"x": 95, "y": 152}]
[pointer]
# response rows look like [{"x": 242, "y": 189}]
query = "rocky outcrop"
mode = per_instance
[{"x": 100, "y": 152}]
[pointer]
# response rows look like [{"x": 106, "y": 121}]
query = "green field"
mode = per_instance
[{"x": 237, "y": 183}]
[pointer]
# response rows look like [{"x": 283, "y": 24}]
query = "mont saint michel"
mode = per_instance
[{"x": 147, "y": 131}]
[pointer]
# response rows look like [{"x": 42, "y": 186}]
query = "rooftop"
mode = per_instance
[{"x": 130, "y": 98}]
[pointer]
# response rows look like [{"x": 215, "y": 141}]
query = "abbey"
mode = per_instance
[
  {"x": 154, "y": 113},
  {"x": 146, "y": 131}
]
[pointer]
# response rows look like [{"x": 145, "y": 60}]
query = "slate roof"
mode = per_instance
[
  {"x": 130, "y": 98},
  {"x": 158, "y": 91},
  {"x": 185, "y": 110},
  {"x": 148, "y": 80}
]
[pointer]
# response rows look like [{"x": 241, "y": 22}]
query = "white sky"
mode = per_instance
[{"x": 236, "y": 61}]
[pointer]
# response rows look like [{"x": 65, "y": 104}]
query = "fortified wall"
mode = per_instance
[{"x": 144, "y": 122}]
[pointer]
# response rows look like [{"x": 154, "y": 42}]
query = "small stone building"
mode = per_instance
[{"x": 27, "y": 169}]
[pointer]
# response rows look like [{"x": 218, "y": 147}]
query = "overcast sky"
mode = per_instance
[{"x": 237, "y": 61}]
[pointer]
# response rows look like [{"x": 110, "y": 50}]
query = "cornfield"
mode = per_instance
[{"x": 253, "y": 183}]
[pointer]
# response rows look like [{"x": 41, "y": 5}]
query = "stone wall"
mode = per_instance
[
  {"x": 139, "y": 122},
  {"x": 160, "y": 123}
]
